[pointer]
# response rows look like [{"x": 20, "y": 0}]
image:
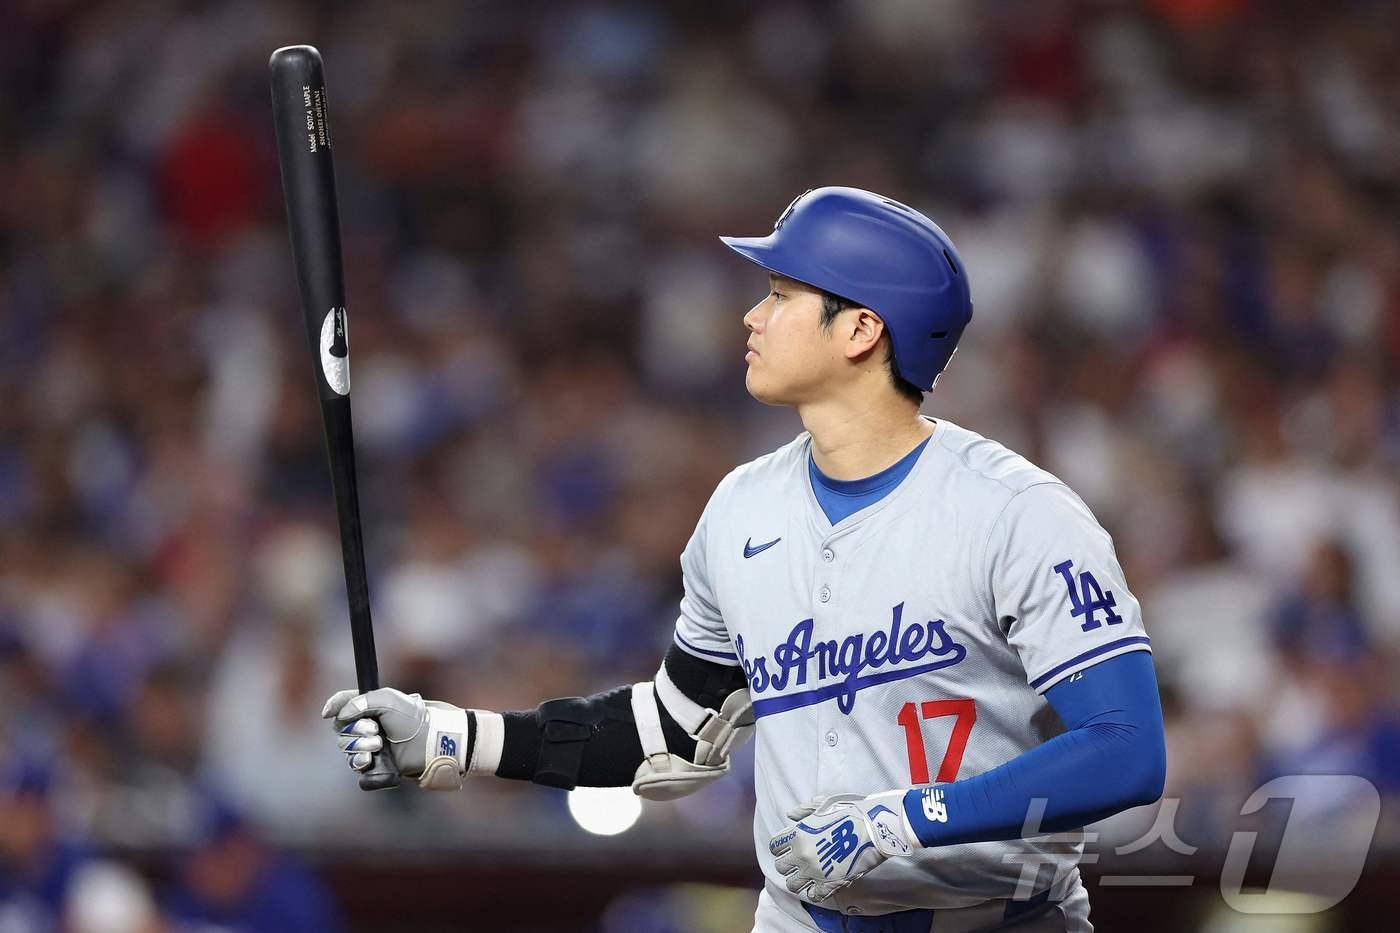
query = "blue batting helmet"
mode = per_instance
[{"x": 881, "y": 255}]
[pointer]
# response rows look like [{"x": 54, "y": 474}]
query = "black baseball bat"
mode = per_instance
[{"x": 304, "y": 149}]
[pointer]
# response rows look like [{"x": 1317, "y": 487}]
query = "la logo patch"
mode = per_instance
[{"x": 1088, "y": 597}]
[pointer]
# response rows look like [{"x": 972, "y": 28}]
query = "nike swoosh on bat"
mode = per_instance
[{"x": 750, "y": 550}]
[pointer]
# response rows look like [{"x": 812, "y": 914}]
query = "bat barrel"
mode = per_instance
[{"x": 301, "y": 116}]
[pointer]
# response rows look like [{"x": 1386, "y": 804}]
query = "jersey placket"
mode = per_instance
[
  {"x": 835, "y": 544},
  {"x": 827, "y": 601}
]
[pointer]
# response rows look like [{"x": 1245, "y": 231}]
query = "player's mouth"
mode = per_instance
[{"x": 752, "y": 354}]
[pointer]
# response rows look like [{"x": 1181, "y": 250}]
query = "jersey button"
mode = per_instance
[
  {"x": 831, "y": 738},
  {"x": 828, "y": 554},
  {"x": 825, "y": 594}
]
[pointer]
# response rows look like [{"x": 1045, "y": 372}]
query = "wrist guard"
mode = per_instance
[{"x": 449, "y": 735}]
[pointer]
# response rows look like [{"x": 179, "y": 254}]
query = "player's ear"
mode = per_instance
[{"x": 866, "y": 330}]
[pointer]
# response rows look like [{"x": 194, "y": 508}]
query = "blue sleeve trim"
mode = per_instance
[
  {"x": 728, "y": 656},
  {"x": 1087, "y": 656}
]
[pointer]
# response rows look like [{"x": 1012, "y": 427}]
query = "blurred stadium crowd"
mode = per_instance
[{"x": 1181, "y": 217}]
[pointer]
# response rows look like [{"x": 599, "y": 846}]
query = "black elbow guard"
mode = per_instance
[
  {"x": 580, "y": 740},
  {"x": 568, "y": 728},
  {"x": 594, "y": 740}
]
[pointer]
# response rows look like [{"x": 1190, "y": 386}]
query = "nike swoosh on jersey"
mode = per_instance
[{"x": 750, "y": 550}]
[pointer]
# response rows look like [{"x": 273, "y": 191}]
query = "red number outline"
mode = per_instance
[{"x": 909, "y": 717}]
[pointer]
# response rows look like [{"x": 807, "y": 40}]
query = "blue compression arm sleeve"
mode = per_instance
[{"x": 1112, "y": 756}]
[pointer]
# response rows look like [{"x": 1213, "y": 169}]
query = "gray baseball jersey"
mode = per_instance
[{"x": 909, "y": 643}]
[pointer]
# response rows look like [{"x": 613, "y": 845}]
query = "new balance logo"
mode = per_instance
[
  {"x": 934, "y": 807},
  {"x": 750, "y": 550},
  {"x": 838, "y": 846},
  {"x": 447, "y": 745}
]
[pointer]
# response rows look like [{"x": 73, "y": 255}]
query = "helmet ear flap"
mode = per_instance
[{"x": 943, "y": 370}]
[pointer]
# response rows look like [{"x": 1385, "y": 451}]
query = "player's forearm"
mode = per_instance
[
  {"x": 1112, "y": 758},
  {"x": 581, "y": 741},
  {"x": 595, "y": 741},
  {"x": 665, "y": 738},
  {"x": 1081, "y": 776}
]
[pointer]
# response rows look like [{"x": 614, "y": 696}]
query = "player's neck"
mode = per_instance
[{"x": 853, "y": 441}]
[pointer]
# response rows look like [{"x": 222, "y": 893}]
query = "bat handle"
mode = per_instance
[{"x": 382, "y": 773}]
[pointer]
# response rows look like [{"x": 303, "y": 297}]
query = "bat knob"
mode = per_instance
[
  {"x": 381, "y": 774},
  {"x": 300, "y": 57}
]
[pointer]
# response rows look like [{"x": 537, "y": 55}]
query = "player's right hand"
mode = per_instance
[
  {"x": 429, "y": 740},
  {"x": 839, "y": 839}
]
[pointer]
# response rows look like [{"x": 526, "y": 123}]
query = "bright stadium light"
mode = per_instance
[{"x": 604, "y": 811}]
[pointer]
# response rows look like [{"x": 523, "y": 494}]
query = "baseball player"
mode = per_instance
[{"x": 929, "y": 638}]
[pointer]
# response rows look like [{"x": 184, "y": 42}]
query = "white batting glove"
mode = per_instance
[
  {"x": 428, "y": 739},
  {"x": 838, "y": 839}
]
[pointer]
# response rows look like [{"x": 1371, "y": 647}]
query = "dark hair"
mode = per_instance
[{"x": 833, "y": 305}]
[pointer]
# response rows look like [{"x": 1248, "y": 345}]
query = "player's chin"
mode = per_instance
[{"x": 762, "y": 389}]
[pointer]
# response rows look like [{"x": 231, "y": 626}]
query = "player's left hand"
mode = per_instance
[
  {"x": 428, "y": 738},
  {"x": 836, "y": 840}
]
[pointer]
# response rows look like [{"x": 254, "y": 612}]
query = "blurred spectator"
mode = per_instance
[
  {"x": 231, "y": 881},
  {"x": 1210, "y": 598},
  {"x": 39, "y": 865},
  {"x": 271, "y": 675},
  {"x": 110, "y": 898},
  {"x": 1321, "y": 623},
  {"x": 1332, "y": 713}
]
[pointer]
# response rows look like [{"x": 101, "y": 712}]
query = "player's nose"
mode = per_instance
[{"x": 753, "y": 319}]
